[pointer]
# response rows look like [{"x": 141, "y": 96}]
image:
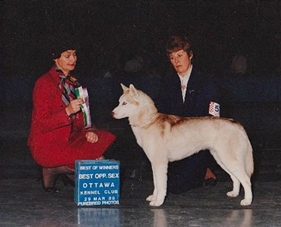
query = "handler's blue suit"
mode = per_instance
[{"x": 201, "y": 89}]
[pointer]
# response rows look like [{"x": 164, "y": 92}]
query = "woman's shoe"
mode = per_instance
[
  {"x": 50, "y": 176},
  {"x": 68, "y": 180},
  {"x": 210, "y": 178},
  {"x": 210, "y": 182},
  {"x": 49, "y": 179},
  {"x": 51, "y": 189}
]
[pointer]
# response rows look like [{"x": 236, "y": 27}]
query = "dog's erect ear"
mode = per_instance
[
  {"x": 131, "y": 86},
  {"x": 133, "y": 91},
  {"x": 124, "y": 87}
]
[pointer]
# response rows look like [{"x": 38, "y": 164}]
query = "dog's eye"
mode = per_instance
[{"x": 124, "y": 103}]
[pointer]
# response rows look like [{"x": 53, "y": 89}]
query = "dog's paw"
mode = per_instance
[
  {"x": 156, "y": 203},
  {"x": 245, "y": 202},
  {"x": 232, "y": 194},
  {"x": 149, "y": 198}
]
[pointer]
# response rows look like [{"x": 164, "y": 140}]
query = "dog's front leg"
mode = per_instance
[
  {"x": 154, "y": 195},
  {"x": 160, "y": 183}
]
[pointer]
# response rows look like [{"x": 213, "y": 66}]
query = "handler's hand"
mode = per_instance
[
  {"x": 92, "y": 137},
  {"x": 74, "y": 106}
]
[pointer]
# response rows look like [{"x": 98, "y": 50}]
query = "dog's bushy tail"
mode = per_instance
[{"x": 249, "y": 161}]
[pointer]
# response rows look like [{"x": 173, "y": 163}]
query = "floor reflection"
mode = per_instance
[
  {"x": 98, "y": 217},
  {"x": 160, "y": 219},
  {"x": 238, "y": 218},
  {"x": 109, "y": 217}
]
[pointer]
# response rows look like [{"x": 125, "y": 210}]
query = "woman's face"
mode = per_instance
[
  {"x": 181, "y": 61},
  {"x": 67, "y": 61}
]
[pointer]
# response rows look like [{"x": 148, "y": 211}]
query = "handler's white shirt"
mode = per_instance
[{"x": 184, "y": 81}]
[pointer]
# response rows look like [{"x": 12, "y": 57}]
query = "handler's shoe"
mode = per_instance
[{"x": 210, "y": 178}]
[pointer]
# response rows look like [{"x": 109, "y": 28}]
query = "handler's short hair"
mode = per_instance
[
  {"x": 61, "y": 42},
  {"x": 178, "y": 42}
]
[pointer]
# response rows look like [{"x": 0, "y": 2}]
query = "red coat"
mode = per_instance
[{"x": 54, "y": 138}]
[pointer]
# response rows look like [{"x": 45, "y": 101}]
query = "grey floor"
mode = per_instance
[{"x": 24, "y": 203}]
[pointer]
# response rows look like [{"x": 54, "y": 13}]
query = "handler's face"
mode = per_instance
[
  {"x": 181, "y": 61},
  {"x": 67, "y": 61}
]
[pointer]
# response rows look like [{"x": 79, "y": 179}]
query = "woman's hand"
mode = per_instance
[
  {"x": 74, "y": 106},
  {"x": 92, "y": 137}
]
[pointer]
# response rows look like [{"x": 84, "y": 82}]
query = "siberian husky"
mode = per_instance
[{"x": 167, "y": 138}]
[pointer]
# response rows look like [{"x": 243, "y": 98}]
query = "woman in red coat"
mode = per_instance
[{"x": 58, "y": 136}]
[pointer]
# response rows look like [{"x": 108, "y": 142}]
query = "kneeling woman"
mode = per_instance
[{"x": 58, "y": 136}]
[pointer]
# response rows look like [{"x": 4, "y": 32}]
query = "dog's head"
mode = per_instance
[
  {"x": 134, "y": 103},
  {"x": 128, "y": 102}
]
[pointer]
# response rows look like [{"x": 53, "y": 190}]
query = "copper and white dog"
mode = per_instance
[{"x": 167, "y": 138}]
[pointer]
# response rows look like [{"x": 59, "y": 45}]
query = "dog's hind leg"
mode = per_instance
[
  {"x": 236, "y": 182},
  {"x": 245, "y": 180},
  {"x": 236, "y": 187},
  {"x": 238, "y": 175},
  {"x": 160, "y": 183}
]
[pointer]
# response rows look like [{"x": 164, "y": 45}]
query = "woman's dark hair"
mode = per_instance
[
  {"x": 61, "y": 42},
  {"x": 178, "y": 42}
]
